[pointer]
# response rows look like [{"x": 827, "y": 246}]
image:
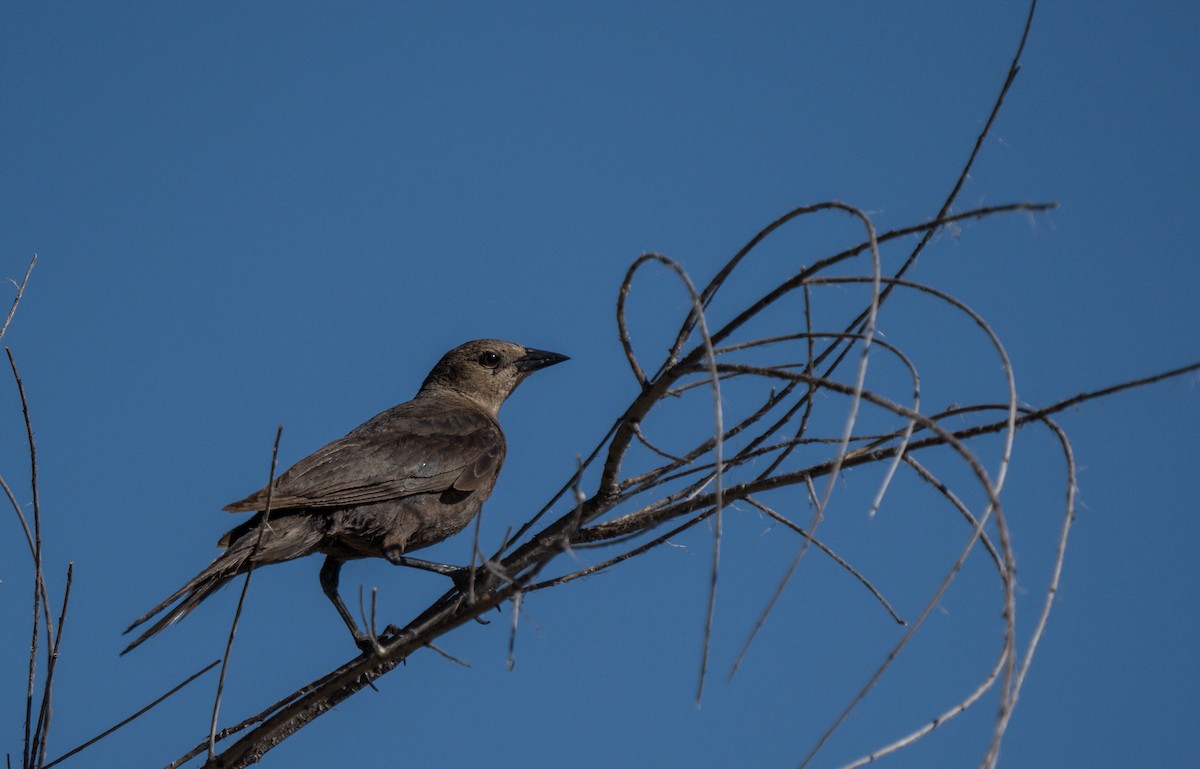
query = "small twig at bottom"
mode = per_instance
[{"x": 133, "y": 717}]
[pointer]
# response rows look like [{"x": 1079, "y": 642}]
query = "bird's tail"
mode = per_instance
[{"x": 282, "y": 540}]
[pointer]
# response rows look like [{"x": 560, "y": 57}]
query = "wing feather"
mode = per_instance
[{"x": 419, "y": 447}]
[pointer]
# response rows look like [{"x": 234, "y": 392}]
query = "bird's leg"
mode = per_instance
[
  {"x": 460, "y": 575},
  {"x": 330, "y": 574},
  {"x": 417, "y": 563}
]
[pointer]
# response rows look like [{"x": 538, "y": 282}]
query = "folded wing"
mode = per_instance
[{"x": 420, "y": 447}]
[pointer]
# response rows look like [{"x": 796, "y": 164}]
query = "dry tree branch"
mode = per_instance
[
  {"x": 904, "y": 435},
  {"x": 34, "y": 742},
  {"x": 241, "y": 726},
  {"x": 958, "y": 709},
  {"x": 695, "y": 501},
  {"x": 646, "y": 485},
  {"x": 292, "y": 712},
  {"x": 717, "y": 440},
  {"x": 993, "y": 675},
  {"x": 1018, "y": 678},
  {"x": 36, "y": 731},
  {"x": 687, "y": 505}
]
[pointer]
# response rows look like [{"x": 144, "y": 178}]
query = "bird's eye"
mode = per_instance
[{"x": 489, "y": 359}]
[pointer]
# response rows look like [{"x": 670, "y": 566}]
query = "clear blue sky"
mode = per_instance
[{"x": 254, "y": 214}]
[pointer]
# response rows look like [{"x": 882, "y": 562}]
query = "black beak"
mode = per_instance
[{"x": 533, "y": 360}]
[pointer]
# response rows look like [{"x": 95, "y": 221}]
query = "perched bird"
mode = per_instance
[{"x": 408, "y": 478}]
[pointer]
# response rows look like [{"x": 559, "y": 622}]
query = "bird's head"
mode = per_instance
[{"x": 487, "y": 370}]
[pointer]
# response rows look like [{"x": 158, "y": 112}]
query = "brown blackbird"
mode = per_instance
[{"x": 408, "y": 478}]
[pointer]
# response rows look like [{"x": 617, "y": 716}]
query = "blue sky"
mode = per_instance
[{"x": 249, "y": 215}]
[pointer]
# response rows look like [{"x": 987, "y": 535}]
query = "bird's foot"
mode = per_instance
[
  {"x": 471, "y": 580},
  {"x": 465, "y": 579},
  {"x": 372, "y": 643},
  {"x": 368, "y": 644}
]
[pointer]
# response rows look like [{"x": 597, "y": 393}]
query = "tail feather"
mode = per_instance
[{"x": 282, "y": 540}]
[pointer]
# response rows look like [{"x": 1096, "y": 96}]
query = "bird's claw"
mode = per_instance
[
  {"x": 369, "y": 644},
  {"x": 462, "y": 578}
]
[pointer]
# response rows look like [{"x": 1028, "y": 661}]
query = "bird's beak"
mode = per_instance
[{"x": 533, "y": 360}]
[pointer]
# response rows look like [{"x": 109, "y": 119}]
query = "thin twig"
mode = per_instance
[
  {"x": 448, "y": 655},
  {"x": 237, "y": 613},
  {"x": 41, "y": 599},
  {"x": 511, "y": 662},
  {"x": 42, "y": 733},
  {"x": 1018, "y": 678},
  {"x": 133, "y": 717},
  {"x": 17, "y": 299},
  {"x": 257, "y": 718},
  {"x": 836, "y": 559},
  {"x": 26, "y": 760}
]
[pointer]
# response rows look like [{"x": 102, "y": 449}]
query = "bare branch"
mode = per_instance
[
  {"x": 237, "y": 613},
  {"x": 17, "y": 299},
  {"x": 780, "y": 437}
]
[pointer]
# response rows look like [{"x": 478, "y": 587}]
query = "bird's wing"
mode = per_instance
[{"x": 415, "y": 448}]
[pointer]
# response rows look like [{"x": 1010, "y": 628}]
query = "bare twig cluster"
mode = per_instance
[
  {"x": 767, "y": 383},
  {"x": 767, "y": 397},
  {"x": 45, "y": 633}
]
